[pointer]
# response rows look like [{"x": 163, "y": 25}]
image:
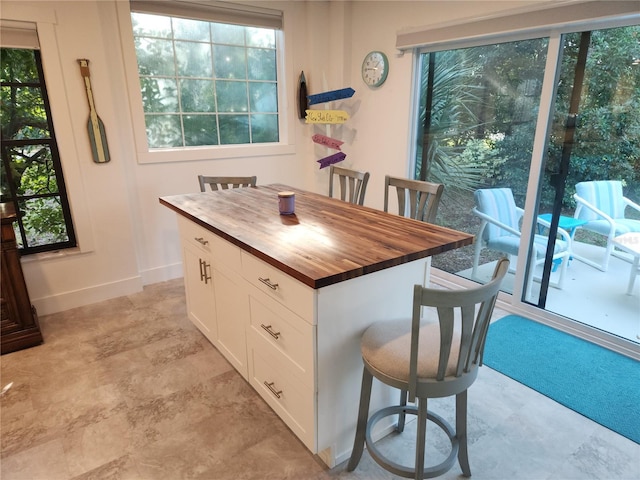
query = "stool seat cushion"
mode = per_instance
[{"x": 386, "y": 347}]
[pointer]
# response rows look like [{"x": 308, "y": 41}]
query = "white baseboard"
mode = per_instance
[
  {"x": 98, "y": 293},
  {"x": 86, "y": 296},
  {"x": 162, "y": 274}
]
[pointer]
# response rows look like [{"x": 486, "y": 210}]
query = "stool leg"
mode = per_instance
[
  {"x": 421, "y": 438},
  {"x": 461, "y": 432},
  {"x": 402, "y": 416},
  {"x": 363, "y": 416}
]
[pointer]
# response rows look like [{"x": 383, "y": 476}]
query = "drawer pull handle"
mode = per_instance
[
  {"x": 268, "y": 329},
  {"x": 267, "y": 282},
  {"x": 201, "y": 240},
  {"x": 277, "y": 393}
]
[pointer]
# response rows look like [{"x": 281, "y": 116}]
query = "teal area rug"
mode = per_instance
[{"x": 600, "y": 384}]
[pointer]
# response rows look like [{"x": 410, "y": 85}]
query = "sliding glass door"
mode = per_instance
[
  {"x": 593, "y": 150},
  {"x": 510, "y": 129}
]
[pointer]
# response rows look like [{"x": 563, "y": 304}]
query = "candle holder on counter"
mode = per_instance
[{"x": 287, "y": 203}]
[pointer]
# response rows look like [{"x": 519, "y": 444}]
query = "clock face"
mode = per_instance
[{"x": 375, "y": 68}]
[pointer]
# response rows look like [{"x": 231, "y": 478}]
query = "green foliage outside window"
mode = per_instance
[
  {"x": 31, "y": 176},
  {"x": 485, "y": 108},
  {"x": 206, "y": 83}
]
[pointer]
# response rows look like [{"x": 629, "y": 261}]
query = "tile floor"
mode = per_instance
[{"x": 129, "y": 389}]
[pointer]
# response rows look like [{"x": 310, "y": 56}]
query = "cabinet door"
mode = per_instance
[
  {"x": 232, "y": 307},
  {"x": 198, "y": 278}
]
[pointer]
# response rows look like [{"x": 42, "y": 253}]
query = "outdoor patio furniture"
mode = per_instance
[
  {"x": 630, "y": 242},
  {"x": 500, "y": 231},
  {"x": 603, "y": 205}
]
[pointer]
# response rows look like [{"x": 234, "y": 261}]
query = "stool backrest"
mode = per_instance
[
  {"x": 423, "y": 198},
  {"x": 353, "y": 184},
  {"x": 224, "y": 183},
  {"x": 473, "y": 307}
]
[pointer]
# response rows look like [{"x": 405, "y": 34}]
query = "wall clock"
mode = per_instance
[{"x": 375, "y": 68}]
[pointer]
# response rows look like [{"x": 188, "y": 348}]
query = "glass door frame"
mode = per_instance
[{"x": 515, "y": 302}]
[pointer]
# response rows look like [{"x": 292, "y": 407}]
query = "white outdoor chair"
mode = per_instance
[
  {"x": 602, "y": 204},
  {"x": 500, "y": 231}
]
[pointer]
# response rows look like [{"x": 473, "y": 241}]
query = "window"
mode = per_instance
[
  {"x": 205, "y": 83},
  {"x": 31, "y": 171}
]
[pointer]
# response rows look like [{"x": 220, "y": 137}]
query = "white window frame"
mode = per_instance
[
  {"x": 144, "y": 154},
  {"x": 44, "y": 18}
]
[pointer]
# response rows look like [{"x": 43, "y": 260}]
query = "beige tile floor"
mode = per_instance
[{"x": 129, "y": 389}]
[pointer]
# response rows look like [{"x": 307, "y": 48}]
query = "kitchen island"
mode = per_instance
[{"x": 286, "y": 297}]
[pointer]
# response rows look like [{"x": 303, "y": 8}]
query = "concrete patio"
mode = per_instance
[{"x": 589, "y": 296}]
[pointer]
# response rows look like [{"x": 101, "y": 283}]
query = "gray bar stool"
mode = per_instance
[{"x": 427, "y": 358}]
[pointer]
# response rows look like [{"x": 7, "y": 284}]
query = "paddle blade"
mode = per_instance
[{"x": 98, "y": 140}]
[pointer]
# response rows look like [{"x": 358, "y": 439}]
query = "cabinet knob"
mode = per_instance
[
  {"x": 277, "y": 393},
  {"x": 267, "y": 282}
]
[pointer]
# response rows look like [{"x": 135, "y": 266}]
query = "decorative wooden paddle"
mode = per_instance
[{"x": 97, "y": 134}]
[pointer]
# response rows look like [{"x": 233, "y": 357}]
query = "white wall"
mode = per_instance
[{"x": 127, "y": 239}]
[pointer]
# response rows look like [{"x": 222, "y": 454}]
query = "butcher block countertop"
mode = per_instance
[{"x": 326, "y": 241}]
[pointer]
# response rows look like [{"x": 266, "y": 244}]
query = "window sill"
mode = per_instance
[{"x": 216, "y": 153}]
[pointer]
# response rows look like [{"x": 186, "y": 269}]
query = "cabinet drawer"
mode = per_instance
[
  {"x": 225, "y": 253},
  {"x": 287, "y": 336},
  {"x": 290, "y": 399},
  {"x": 222, "y": 251},
  {"x": 194, "y": 234},
  {"x": 293, "y": 294}
]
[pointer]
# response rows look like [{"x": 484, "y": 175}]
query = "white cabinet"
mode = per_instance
[
  {"x": 281, "y": 348},
  {"x": 217, "y": 297},
  {"x": 198, "y": 279},
  {"x": 232, "y": 307},
  {"x": 298, "y": 347}
]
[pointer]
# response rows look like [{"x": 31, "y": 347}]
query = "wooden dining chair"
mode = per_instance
[
  {"x": 224, "y": 183},
  {"x": 434, "y": 354},
  {"x": 416, "y": 199},
  {"x": 353, "y": 184}
]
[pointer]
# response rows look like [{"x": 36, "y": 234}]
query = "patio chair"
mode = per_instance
[
  {"x": 603, "y": 205},
  {"x": 500, "y": 231}
]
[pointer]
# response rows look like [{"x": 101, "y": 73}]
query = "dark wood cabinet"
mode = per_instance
[{"x": 19, "y": 326}]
